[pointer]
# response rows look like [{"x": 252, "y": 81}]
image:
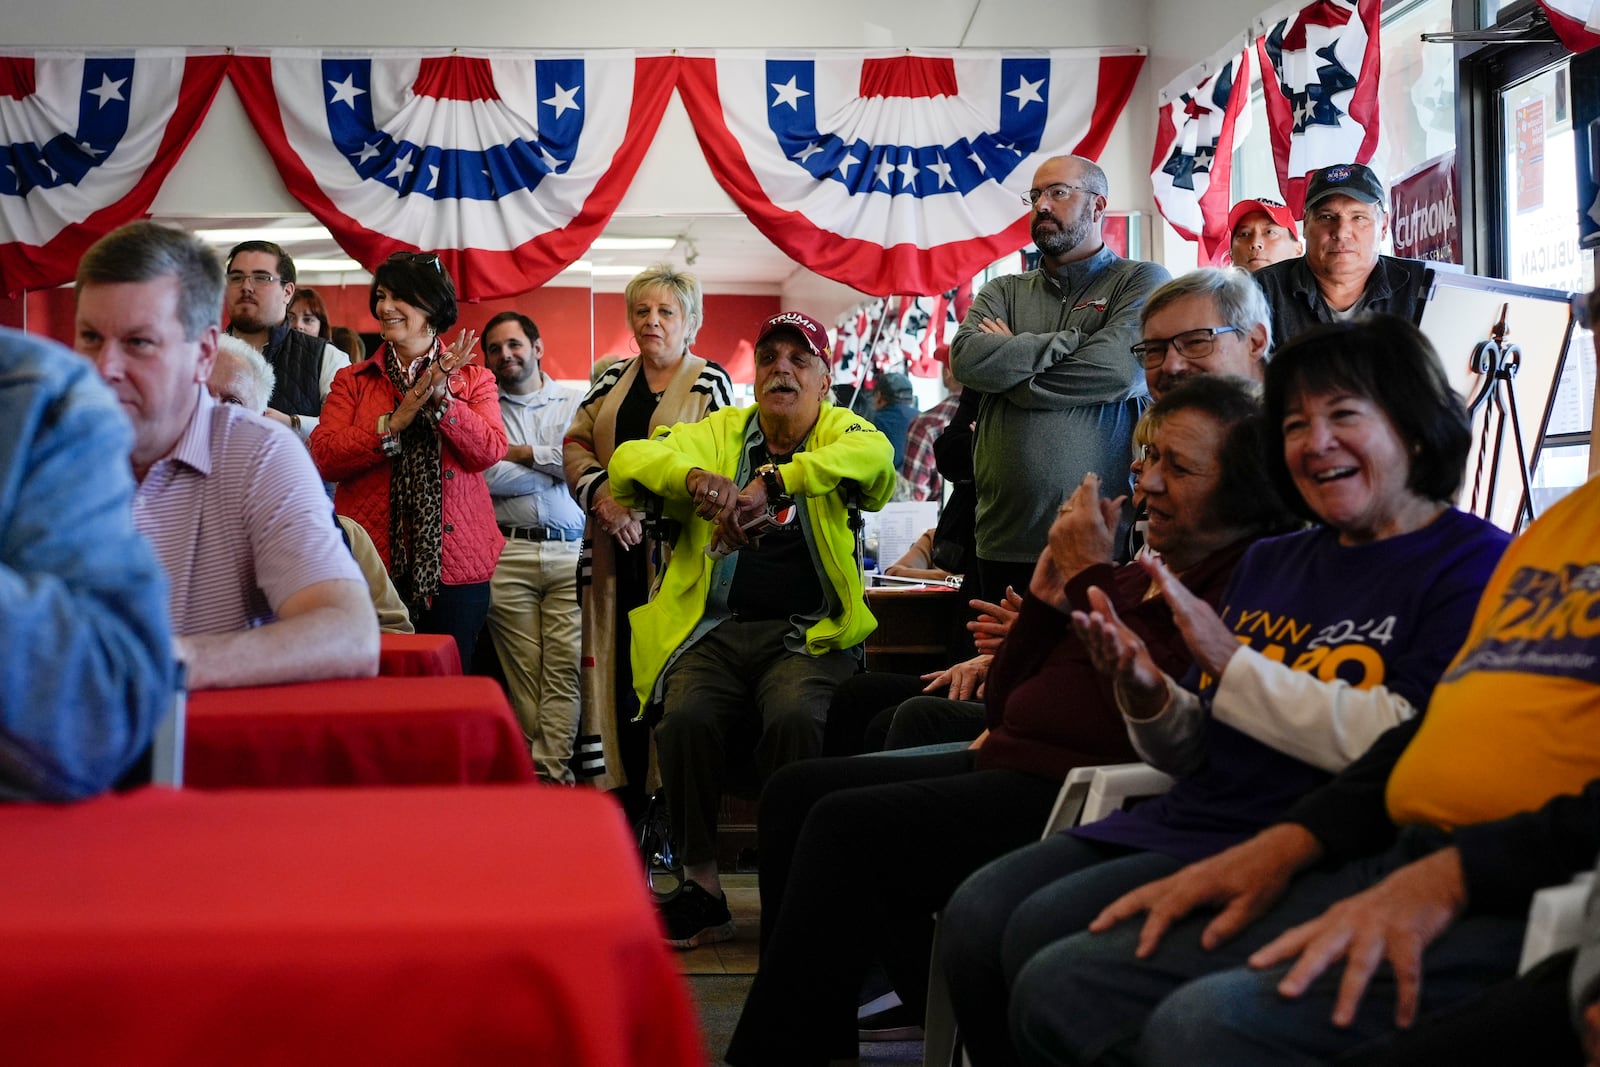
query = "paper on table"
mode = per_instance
[{"x": 898, "y": 526}]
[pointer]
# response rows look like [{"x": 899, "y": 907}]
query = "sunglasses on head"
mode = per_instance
[{"x": 426, "y": 259}]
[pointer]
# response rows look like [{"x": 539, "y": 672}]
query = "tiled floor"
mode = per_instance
[{"x": 739, "y": 955}]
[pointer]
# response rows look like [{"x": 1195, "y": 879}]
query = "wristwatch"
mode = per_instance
[{"x": 771, "y": 479}]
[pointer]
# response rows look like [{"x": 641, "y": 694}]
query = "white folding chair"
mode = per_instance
[
  {"x": 1555, "y": 921},
  {"x": 1087, "y": 795}
]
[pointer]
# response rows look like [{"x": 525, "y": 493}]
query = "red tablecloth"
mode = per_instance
[
  {"x": 355, "y": 731},
  {"x": 388, "y": 926},
  {"x": 407, "y": 654}
]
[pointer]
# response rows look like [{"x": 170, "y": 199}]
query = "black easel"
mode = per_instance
[{"x": 1498, "y": 362}]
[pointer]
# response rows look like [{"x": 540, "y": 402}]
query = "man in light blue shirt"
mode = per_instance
[
  {"x": 85, "y": 645},
  {"x": 533, "y": 596}
]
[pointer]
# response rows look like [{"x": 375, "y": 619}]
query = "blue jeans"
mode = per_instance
[
  {"x": 1086, "y": 999},
  {"x": 1016, "y": 905}
]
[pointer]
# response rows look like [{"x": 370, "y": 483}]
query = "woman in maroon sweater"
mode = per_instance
[{"x": 861, "y": 851}]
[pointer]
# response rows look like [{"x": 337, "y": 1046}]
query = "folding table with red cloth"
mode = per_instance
[
  {"x": 355, "y": 731},
  {"x": 402, "y": 655},
  {"x": 426, "y": 926}
]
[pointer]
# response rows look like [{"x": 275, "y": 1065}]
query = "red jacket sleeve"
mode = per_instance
[
  {"x": 472, "y": 428},
  {"x": 345, "y": 444}
]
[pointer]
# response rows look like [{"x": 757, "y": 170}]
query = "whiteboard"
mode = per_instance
[{"x": 1459, "y": 312}]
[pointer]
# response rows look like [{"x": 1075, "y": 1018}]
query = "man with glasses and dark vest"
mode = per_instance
[
  {"x": 261, "y": 283},
  {"x": 1051, "y": 349}
]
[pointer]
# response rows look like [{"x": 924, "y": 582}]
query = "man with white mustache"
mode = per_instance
[
  {"x": 1341, "y": 275},
  {"x": 760, "y": 613},
  {"x": 1052, "y": 350}
]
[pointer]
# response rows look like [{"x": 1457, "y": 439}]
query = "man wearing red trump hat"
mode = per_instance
[
  {"x": 760, "y": 612},
  {"x": 1261, "y": 233}
]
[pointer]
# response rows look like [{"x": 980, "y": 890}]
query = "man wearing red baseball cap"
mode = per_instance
[
  {"x": 1341, "y": 275},
  {"x": 760, "y": 612},
  {"x": 1261, "y": 233}
]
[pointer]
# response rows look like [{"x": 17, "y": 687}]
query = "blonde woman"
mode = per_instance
[{"x": 664, "y": 385}]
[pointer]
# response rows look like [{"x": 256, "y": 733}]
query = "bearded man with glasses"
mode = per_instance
[
  {"x": 261, "y": 284},
  {"x": 1050, "y": 349}
]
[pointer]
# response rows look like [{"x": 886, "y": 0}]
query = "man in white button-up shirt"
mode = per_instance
[{"x": 533, "y": 596}]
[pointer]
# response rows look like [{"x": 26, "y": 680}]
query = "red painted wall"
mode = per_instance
[{"x": 566, "y": 317}]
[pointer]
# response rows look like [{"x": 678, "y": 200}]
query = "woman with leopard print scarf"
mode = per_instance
[{"x": 407, "y": 435}]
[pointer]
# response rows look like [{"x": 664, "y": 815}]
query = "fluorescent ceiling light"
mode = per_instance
[
  {"x": 633, "y": 244},
  {"x": 326, "y": 266},
  {"x": 617, "y": 271},
  {"x": 279, "y": 234}
]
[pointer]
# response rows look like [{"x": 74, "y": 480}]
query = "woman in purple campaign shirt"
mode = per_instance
[{"x": 1325, "y": 639}]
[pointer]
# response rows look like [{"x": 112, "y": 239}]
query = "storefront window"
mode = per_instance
[{"x": 1541, "y": 239}]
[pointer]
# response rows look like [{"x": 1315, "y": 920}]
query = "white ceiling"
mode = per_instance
[{"x": 726, "y": 253}]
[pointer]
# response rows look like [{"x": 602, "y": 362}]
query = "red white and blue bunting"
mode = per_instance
[
  {"x": 86, "y": 139},
  {"x": 1319, "y": 72},
  {"x": 1576, "y": 22},
  {"x": 1204, "y": 114},
  {"x": 508, "y": 165},
  {"x": 897, "y": 173}
]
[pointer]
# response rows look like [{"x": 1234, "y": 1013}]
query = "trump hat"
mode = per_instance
[
  {"x": 810, "y": 329},
  {"x": 1278, "y": 213}
]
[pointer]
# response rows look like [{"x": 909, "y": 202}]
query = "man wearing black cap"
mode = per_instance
[
  {"x": 760, "y": 613},
  {"x": 1341, "y": 275}
]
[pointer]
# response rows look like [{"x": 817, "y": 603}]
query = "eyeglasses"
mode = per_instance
[
  {"x": 1191, "y": 345},
  {"x": 425, "y": 259},
  {"x": 257, "y": 278},
  {"x": 1056, "y": 193}
]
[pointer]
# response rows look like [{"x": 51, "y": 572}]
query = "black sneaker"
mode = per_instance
[
  {"x": 891, "y": 1024},
  {"x": 694, "y": 917}
]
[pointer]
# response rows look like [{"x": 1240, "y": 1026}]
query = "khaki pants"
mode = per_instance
[{"x": 534, "y": 621}]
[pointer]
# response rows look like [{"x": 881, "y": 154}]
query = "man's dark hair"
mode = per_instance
[
  {"x": 285, "y": 264},
  {"x": 1246, "y": 494},
  {"x": 418, "y": 278},
  {"x": 1387, "y": 360},
  {"x": 529, "y": 327}
]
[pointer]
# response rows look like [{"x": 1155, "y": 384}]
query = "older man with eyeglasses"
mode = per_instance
[
  {"x": 261, "y": 284},
  {"x": 1050, "y": 348},
  {"x": 1209, "y": 321}
]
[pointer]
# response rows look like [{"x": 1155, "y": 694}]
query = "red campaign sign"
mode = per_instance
[
  {"x": 1423, "y": 210},
  {"x": 1530, "y": 156}
]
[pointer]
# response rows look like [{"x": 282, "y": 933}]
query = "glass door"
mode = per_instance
[{"x": 1539, "y": 236}]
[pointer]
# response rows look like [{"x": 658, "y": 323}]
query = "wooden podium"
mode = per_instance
[{"x": 914, "y": 625}]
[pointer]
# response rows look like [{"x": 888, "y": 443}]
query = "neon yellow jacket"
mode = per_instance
[{"x": 842, "y": 447}]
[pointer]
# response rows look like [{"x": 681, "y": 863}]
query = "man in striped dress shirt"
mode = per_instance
[{"x": 263, "y": 589}]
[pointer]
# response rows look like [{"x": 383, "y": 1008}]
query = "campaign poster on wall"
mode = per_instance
[{"x": 1422, "y": 210}]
